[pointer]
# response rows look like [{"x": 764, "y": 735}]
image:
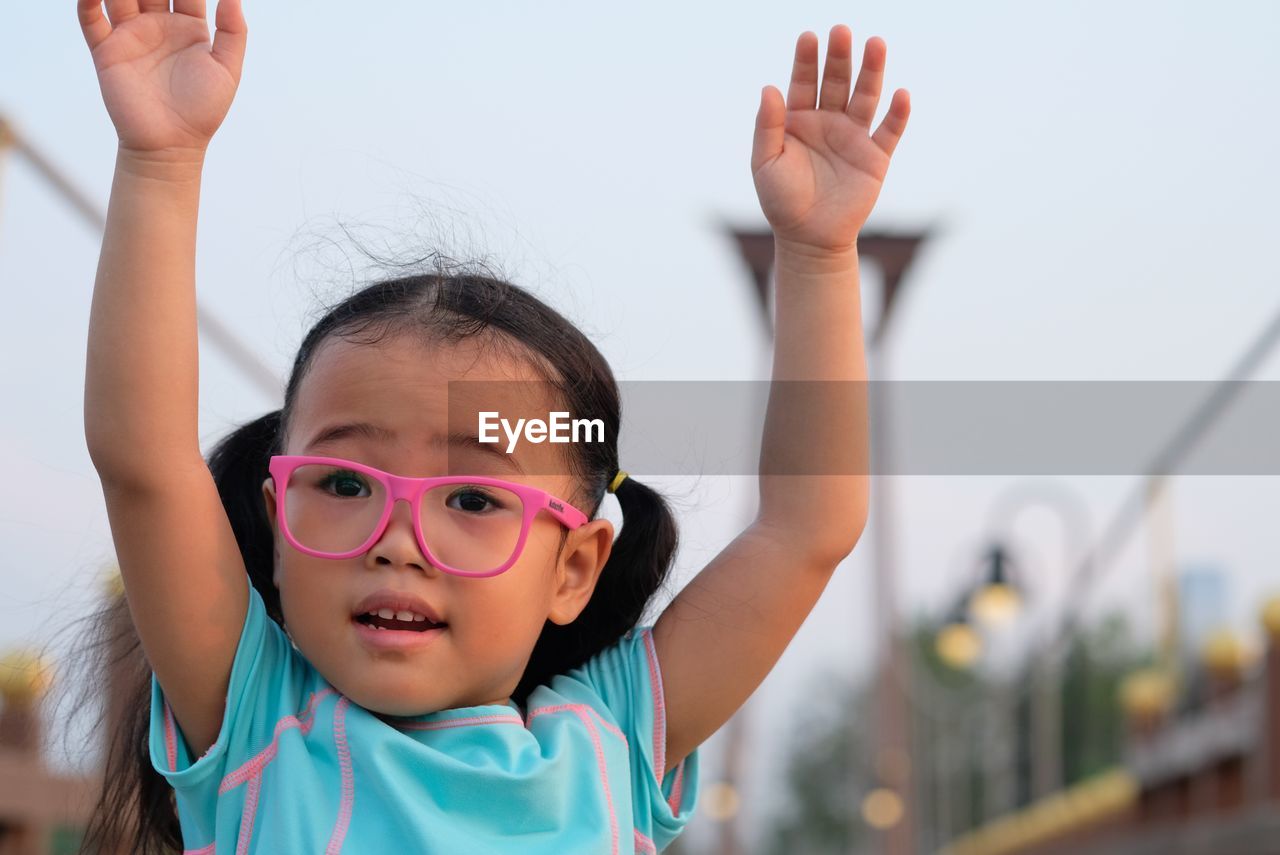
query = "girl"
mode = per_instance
[{"x": 461, "y": 671}]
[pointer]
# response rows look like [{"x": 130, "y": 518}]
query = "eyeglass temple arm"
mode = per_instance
[{"x": 566, "y": 513}]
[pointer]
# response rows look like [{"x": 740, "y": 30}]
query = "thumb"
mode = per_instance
[
  {"x": 771, "y": 123},
  {"x": 230, "y": 36}
]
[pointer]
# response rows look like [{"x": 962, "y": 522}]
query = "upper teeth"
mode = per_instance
[{"x": 389, "y": 614}]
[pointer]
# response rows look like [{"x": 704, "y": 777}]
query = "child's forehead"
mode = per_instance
[
  {"x": 405, "y": 373},
  {"x": 414, "y": 390},
  {"x": 408, "y": 360}
]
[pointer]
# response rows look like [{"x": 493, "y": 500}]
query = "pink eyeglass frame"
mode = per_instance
[{"x": 411, "y": 490}]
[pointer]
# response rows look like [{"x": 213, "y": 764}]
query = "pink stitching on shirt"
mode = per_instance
[
  {"x": 170, "y": 739},
  {"x": 660, "y": 725},
  {"x": 203, "y": 850},
  {"x": 674, "y": 801},
  {"x": 258, "y": 762},
  {"x": 659, "y": 707},
  {"x": 644, "y": 845},
  {"x": 577, "y": 708},
  {"x": 248, "y": 814},
  {"x": 604, "y": 772},
  {"x": 348, "y": 784},
  {"x": 460, "y": 722},
  {"x": 581, "y": 711}
]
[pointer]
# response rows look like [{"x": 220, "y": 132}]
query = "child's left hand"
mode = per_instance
[{"x": 818, "y": 172}]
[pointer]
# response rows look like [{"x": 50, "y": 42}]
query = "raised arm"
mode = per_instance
[
  {"x": 166, "y": 92},
  {"x": 818, "y": 172}
]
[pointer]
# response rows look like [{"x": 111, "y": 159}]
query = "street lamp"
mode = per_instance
[
  {"x": 994, "y": 598},
  {"x": 999, "y": 596},
  {"x": 1046, "y": 699},
  {"x": 958, "y": 643},
  {"x": 999, "y": 600}
]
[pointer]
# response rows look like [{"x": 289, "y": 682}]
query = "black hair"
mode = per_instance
[{"x": 446, "y": 305}]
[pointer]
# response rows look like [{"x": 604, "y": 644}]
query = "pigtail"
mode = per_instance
[
  {"x": 642, "y": 554},
  {"x": 239, "y": 465},
  {"x": 637, "y": 567}
]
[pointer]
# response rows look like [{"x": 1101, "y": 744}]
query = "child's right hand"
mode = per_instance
[{"x": 165, "y": 90}]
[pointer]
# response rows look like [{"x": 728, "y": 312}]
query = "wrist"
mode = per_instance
[
  {"x": 806, "y": 259},
  {"x": 178, "y": 165}
]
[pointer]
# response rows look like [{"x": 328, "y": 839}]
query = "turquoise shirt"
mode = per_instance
[{"x": 298, "y": 768}]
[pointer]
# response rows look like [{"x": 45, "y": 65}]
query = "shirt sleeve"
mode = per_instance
[
  {"x": 265, "y": 683},
  {"x": 628, "y": 680}
]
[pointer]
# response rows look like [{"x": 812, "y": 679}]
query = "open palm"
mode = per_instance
[
  {"x": 818, "y": 171},
  {"x": 164, "y": 87}
]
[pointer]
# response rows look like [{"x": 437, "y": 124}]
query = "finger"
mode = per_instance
[
  {"x": 804, "y": 73},
  {"x": 231, "y": 35},
  {"x": 93, "y": 23},
  {"x": 894, "y": 123},
  {"x": 154, "y": 5},
  {"x": 866, "y": 93},
  {"x": 771, "y": 124},
  {"x": 194, "y": 8},
  {"x": 121, "y": 10},
  {"x": 838, "y": 71}
]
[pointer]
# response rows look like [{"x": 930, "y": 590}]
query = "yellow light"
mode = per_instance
[
  {"x": 720, "y": 801},
  {"x": 1147, "y": 693},
  {"x": 958, "y": 645},
  {"x": 996, "y": 604},
  {"x": 1271, "y": 616},
  {"x": 882, "y": 808},
  {"x": 24, "y": 676},
  {"x": 1224, "y": 653}
]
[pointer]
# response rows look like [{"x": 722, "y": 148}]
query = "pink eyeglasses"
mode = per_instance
[{"x": 467, "y": 525}]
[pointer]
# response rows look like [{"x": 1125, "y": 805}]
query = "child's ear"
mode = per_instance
[
  {"x": 269, "y": 496},
  {"x": 585, "y": 552}
]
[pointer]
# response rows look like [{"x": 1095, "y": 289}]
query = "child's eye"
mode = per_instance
[
  {"x": 474, "y": 499},
  {"x": 347, "y": 479}
]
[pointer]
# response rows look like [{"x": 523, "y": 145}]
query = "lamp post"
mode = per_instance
[
  {"x": 1046, "y": 698},
  {"x": 958, "y": 643},
  {"x": 892, "y": 253}
]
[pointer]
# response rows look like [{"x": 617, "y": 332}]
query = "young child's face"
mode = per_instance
[{"x": 493, "y": 622}]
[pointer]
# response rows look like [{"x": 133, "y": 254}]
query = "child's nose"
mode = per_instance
[{"x": 399, "y": 541}]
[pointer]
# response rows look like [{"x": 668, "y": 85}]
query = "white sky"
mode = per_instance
[{"x": 1101, "y": 177}]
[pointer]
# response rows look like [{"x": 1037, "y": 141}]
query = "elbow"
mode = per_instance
[
  {"x": 114, "y": 461},
  {"x": 840, "y": 543},
  {"x": 822, "y": 545},
  {"x": 818, "y": 521}
]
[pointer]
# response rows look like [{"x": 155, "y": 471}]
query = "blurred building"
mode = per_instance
[
  {"x": 1203, "y": 604},
  {"x": 42, "y": 812},
  {"x": 1201, "y": 769}
]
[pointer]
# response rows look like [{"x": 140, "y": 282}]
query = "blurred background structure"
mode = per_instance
[{"x": 1028, "y": 662}]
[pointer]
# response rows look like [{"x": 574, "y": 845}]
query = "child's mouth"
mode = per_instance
[
  {"x": 396, "y": 625},
  {"x": 389, "y": 634}
]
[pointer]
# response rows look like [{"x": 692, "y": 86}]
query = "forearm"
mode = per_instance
[
  {"x": 814, "y": 484},
  {"x": 141, "y": 376}
]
